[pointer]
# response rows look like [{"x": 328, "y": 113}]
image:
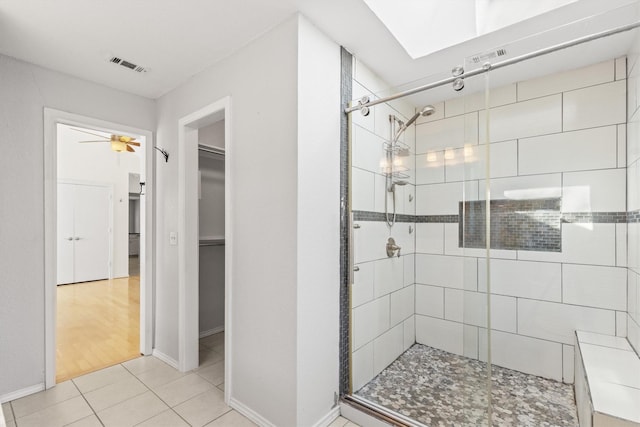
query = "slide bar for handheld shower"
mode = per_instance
[{"x": 501, "y": 64}]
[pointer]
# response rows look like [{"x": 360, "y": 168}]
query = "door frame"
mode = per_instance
[
  {"x": 188, "y": 243},
  {"x": 52, "y": 118}
]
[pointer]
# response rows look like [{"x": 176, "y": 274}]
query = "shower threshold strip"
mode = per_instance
[{"x": 379, "y": 411}]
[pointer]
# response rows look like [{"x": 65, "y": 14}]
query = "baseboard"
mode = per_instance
[
  {"x": 261, "y": 421},
  {"x": 166, "y": 359},
  {"x": 21, "y": 393},
  {"x": 212, "y": 331},
  {"x": 329, "y": 418},
  {"x": 250, "y": 413}
]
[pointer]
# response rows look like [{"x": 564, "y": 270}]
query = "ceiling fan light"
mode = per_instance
[{"x": 118, "y": 146}]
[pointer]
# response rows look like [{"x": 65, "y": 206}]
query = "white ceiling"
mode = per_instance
[{"x": 177, "y": 39}]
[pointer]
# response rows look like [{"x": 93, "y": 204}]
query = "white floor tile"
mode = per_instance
[
  {"x": 339, "y": 422},
  {"x": 143, "y": 364},
  {"x": 182, "y": 389},
  {"x": 209, "y": 357},
  {"x": 90, "y": 421},
  {"x": 167, "y": 418},
  {"x": 231, "y": 419},
  {"x": 113, "y": 394},
  {"x": 101, "y": 378},
  {"x": 213, "y": 341},
  {"x": 161, "y": 374},
  {"x": 7, "y": 411},
  {"x": 44, "y": 399},
  {"x": 133, "y": 411},
  {"x": 60, "y": 414},
  {"x": 213, "y": 373},
  {"x": 203, "y": 408}
]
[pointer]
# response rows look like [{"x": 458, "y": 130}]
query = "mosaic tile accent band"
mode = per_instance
[
  {"x": 346, "y": 88},
  {"x": 633, "y": 216},
  {"x": 534, "y": 225},
  {"x": 565, "y": 217},
  {"x": 380, "y": 216},
  {"x": 595, "y": 217},
  {"x": 515, "y": 224}
]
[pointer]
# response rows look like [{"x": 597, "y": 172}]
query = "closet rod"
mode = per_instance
[
  {"x": 209, "y": 149},
  {"x": 212, "y": 242}
]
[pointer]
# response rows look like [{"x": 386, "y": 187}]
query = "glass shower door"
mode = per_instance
[{"x": 416, "y": 310}]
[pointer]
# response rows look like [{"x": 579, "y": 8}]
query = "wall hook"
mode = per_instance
[{"x": 164, "y": 153}]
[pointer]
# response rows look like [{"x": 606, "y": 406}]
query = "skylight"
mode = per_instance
[{"x": 426, "y": 26}]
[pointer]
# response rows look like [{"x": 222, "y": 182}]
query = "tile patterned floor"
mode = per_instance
[
  {"x": 442, "y": 389},
  {"x": 140, "y": 392}
]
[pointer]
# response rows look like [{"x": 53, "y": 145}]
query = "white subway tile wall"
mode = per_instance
[
  {"x": 548, "y": 139},
  {"x": 629, "y": 324},
  {"x": 383, "y": 292},
  {"x": 574, "y": 135}
]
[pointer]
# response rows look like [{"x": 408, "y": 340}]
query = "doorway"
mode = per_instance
[
  {"x": 194, "y": 132},
  {"x": 97, "y": 312}
]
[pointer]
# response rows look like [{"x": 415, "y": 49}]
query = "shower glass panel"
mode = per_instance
[
  {"x": 558, "y": 202},
  {"x": 418, "y": 309}
]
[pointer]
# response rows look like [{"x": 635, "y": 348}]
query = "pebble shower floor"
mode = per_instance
[{"x": 438, "y": 388}]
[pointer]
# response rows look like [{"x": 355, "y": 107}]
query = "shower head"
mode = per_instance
[
  {"x": 400, "y": 182},
  {"x": 426, "y": 111}
]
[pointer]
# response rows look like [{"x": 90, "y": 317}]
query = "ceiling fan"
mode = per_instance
[{"x": 119, "y": 143}]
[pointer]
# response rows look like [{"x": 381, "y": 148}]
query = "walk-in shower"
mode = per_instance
[{"x": 494, "y": 237}]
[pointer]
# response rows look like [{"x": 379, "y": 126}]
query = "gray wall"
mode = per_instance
[
  {"x": 26, "y": 89},
  {"x": 284, "y": 90}
]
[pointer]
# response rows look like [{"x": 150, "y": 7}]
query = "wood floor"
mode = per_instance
[{"x": 98, "y": 325}]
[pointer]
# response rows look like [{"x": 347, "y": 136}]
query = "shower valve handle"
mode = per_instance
[{"x": 392, "y": 248}]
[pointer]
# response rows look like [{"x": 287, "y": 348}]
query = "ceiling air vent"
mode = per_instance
[{"x": 127, "y": 64}]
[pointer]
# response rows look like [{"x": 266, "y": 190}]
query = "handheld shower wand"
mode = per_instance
[{"x": 392, "y": 151}]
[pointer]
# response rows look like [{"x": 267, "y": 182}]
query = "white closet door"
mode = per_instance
[
  {"x": 91, "y": 233},
  {"x": 65, "y": 234}
]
